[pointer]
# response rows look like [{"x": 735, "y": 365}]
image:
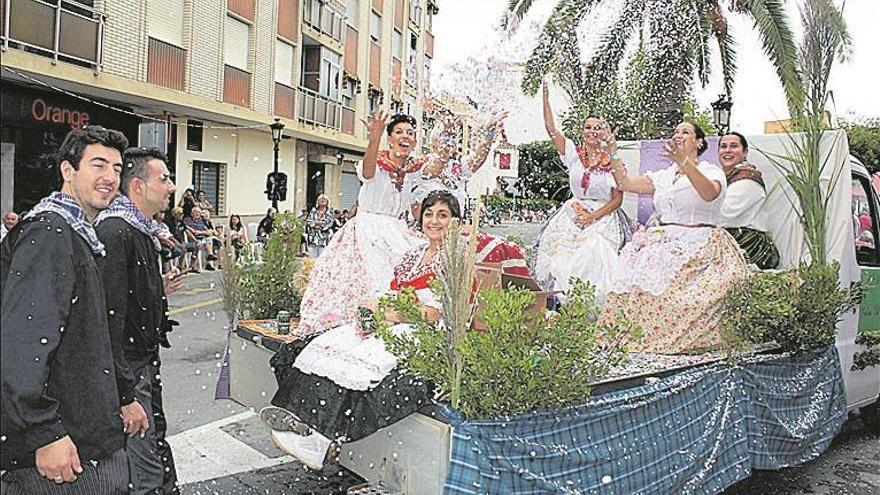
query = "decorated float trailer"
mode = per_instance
[{"x": 680, "y": 427}]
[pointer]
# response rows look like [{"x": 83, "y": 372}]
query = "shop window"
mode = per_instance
[{"x": 194, "y": 135}]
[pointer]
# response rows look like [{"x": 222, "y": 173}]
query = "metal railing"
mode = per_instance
[
  {"x": 63, "y": 30},
  {"x": 316, "y": 109}
]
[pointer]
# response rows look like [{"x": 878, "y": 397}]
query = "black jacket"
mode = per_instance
[
  {"x": 57, "y": 364},
  {"x": 136, "y": 302}
]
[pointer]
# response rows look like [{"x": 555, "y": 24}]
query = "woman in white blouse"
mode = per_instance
[
  {"x": 672, "y": 279},
  {"x": 358, "y": 262},
  {"x": 584, "y": 236},
  {"x": 741, "y": 212}
]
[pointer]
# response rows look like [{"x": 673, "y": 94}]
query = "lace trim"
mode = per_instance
[{"x": 656, "y": 255}]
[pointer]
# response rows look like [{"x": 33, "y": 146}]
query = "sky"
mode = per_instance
[{"x": 466, "y": 28}]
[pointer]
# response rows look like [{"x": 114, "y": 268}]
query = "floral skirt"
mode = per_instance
[
  {"x": 357, "y": 265},
  {"x": 673, "y": 282},
  {"x": 565, "y": 250}
]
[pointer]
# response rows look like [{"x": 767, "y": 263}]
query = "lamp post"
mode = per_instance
[
  {"x": 277, "y": 130},
  {"x": 721, "y": 113}
]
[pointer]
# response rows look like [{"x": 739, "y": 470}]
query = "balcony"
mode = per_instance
[
  {"x": 319, "y": 16},
  {"x": 317, "y": 109},
  {"x": 61, "y": 30}
]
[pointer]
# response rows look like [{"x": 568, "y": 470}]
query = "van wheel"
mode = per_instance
[{"x": 871, "y": 416}]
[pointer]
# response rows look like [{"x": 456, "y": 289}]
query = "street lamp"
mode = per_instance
[
  {"x": 721, "y": 113},
  {"x": 277, "y": 130}
]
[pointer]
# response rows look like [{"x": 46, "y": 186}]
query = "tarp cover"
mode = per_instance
[{"x": 695, "y": 432}]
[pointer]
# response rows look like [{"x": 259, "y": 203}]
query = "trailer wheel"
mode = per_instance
[{"x": 871, "y": 416}]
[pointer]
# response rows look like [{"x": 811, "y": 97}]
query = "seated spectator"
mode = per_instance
[
  {"x": 172, "y": 248},
  {"x": 202, "y": 201},
  {"x": 10, "y": 219},
  {"x": 264, "y": 230},
  {"x": 197, "y": 229},
  {"x": 238, "y": 235},
  {"x": 216, "y": 232}
]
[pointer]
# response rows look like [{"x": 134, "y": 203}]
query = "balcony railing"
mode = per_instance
[
  {"x": 284, "y": 98},
  {"x": 317, "y": 109},
  {"x": 66, "y": 31}
]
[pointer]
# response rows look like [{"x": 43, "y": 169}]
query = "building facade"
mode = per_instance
[{"x": 205, "y": 78}]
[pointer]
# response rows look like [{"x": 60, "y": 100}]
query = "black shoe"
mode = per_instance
[
  {"x": 210, "y": 267},
  {"x": 211, "y": 257}
]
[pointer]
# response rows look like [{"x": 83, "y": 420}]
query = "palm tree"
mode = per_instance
[{"x": 674, "y": 39}]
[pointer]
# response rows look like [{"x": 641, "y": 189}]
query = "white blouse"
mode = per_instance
[
  {"x": 742, "y": 206},
  {"x": 676, "y": 200},
  {"x": 601, "y": 183},
  {"x": 378, "y": 194}
]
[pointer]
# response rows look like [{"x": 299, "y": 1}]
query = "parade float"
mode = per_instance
[{"x": 548, "y": 401}]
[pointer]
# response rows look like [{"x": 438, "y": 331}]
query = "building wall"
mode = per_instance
[
  {"x": 249, "y": 157},
  {"x": 122, "y": 80}
]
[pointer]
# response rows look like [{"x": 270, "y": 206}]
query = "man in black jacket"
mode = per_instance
[
  {"x": 137, "y": 311},
  {"x": 59, "y": 429}
]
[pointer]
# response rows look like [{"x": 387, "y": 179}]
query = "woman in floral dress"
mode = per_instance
[
  {"x": 358, "y": 262},
  {"x": 584, "y": 236},
  {"x": 343, "y": 385},
  {"x": 672, "y": 279}
]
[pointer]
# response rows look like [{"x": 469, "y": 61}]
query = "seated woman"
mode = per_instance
[
  {"x": 741, "y": 212},
  {"x": 358, "y": 261},
  {"x": 584, "y": 236},
  {"x": 672, "y": 279},
  {"x": 342, "y": 385}
]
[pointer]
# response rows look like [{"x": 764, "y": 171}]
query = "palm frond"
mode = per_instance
[
  {"x": 548, "y": 51},
  {"x": 715, "y": 14},
  {"x": 701, "y": 45},
  {"x": 779, "y": 45}
]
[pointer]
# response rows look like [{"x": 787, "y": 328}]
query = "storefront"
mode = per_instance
[{"x": 34, "y": 124}]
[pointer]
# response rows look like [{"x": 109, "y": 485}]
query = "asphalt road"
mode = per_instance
[{"x": 221, "y": 448}]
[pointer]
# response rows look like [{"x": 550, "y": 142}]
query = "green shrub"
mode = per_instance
[
  {"x": 522, "y": 362},
  {"x": 271, "y": 286},
  {"x": 869, "y": 357},
  {"x": 799, "y": 309}
]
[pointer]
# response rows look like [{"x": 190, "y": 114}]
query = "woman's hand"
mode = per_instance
[
  {"x": 585, "y": 219},
  {"x": 376, "y": 124},
  {"x": 674, "y": 152},
  {"x": 608, "y": 141}
]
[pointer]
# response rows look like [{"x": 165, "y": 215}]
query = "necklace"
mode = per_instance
[
  {"x": 602, "y": 165},
  {"x": 398, "y": 174}
]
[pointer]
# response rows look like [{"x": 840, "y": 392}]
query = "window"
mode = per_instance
[
  {"x": 349, "y": 89},
  {"x": 211, "y": 178},
  {"x": 413, "y": 46},
  {"x": 375, "y": 26},
  {"x": 165, "y": 21},
  {"x": 353, "y": 12},
  {"x": 865, "y": 220},
  {"x": 194, "y": 134},
  {"x": 236, "y": 46},
  {"x": 397, "y": 45},
  {"x": 415, "y": 12},
  {"x": 374, "y": 101},
  {"x": 330, "y": 71},
  {"x": 429, "y": 21},
  {"x": 283, "y": 63}
]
